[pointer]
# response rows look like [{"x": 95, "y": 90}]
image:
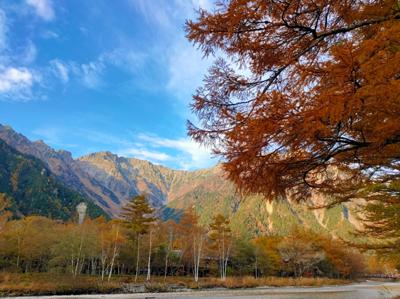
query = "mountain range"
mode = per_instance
[{"x": 109, "y": 181}]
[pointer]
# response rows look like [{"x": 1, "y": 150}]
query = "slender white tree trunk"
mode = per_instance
[
  {"x": 149, "y": 259},
  {"x": 197, "y": 257},
  {"x": 115, "y": 252}
]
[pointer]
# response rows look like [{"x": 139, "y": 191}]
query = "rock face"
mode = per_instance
[
  {"x": 110, "y": 181},
  {"x": 32, "y": 189},
  {"x": 126, "y": 177},
  {"x": 64, "y": 167}
]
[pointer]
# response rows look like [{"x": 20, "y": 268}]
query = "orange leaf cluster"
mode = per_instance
[{"x": 321, "y": 106}]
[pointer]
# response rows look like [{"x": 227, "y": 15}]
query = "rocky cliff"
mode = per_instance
[{"x": 110, "y": 181}]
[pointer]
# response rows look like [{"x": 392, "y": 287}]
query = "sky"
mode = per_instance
[{"x": 100, "y": 75}]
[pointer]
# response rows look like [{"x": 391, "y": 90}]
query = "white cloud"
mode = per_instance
[
  {"x": 190, "y": 155},
  {"x": 124, "y": 58},
  {"x": 43, "y": 8},
  {"x": 16, "y": 83},
  {"x": 60, "y": 69},
  {"x": 13, "y": 78},
  {"x": 48, "y": 34},
  {"x": 144, "y": 154},
  {"x": 90, "y": 73}
]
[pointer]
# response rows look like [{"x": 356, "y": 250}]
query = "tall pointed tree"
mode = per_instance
[{"x": 139, "y": 217}]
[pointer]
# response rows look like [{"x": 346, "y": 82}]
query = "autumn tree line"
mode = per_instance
[{"x": 140, "y": 244}]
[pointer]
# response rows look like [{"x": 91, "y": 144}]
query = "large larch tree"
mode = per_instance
[{"x": 308, "y": 98}]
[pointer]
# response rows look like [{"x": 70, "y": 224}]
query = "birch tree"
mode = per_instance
[{"x": 221, "y": 240}]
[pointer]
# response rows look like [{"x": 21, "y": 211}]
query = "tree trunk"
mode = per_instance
[
  {"x": 167, "y": 255},
  {"x": 114, "y": 255},
  {"x": 137, "y": 257},
  {"x": 197, "y": 255},
  {"x": 149, "y": 259}
]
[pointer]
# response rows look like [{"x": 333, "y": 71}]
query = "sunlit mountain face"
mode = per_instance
[{"x": 109, "y": 181}]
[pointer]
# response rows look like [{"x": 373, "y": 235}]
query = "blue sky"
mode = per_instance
[{"x": 98, "y": 75}]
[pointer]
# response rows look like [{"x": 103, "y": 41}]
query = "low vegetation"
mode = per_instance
[{"x": 18, "y": 284}]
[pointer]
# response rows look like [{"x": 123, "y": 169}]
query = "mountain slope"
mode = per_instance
[
  {"x": 210, "y": 193},
  {"x": 64, "y": 167},
  {"x": 110, "y": 181},
  {"x": 33, "y": 190}
]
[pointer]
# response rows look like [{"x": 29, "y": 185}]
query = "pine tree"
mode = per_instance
[{"x": 138, "y": 217}]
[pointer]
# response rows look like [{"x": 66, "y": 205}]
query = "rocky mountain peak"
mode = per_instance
[{"x": 110, "y": 181}]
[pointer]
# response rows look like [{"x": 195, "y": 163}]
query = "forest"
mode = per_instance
[{"x": 142, "y": 247}]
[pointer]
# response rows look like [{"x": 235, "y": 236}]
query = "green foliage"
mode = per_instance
[
  {"x": 33, "y": 190},
  {"x": 138, "y": 215}
]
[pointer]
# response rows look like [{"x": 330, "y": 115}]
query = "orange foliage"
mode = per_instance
[{"x": 322, "y": 98}]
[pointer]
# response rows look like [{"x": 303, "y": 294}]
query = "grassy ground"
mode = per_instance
[{"x": 13, "y": 284}]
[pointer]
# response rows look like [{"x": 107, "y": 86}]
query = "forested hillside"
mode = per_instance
[{"x": 33, "y": 190}]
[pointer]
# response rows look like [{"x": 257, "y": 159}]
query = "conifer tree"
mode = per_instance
[
  {"x": 139, "y": 217},
  {"x": 319, "y": 95}
]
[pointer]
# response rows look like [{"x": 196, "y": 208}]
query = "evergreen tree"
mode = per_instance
[{"x": 138, "y": 216}]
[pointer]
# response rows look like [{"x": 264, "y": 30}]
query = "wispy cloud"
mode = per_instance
[
  {"x": 3, "y": 30},
  {"x": 16, "y": 80},
  {"x": 90, "y": 74},
  {"x": 29, "y": 53},
  {"x": 153, "y": 156},
  {"x": 52, "y": 136},
  {"x": 183, "y": 56},
  {"x": 60, "y": 69},
  {"x": 103, "y": 138},
  {"x": 189, "y": 154},
  {"x": 185, "y": 65},
  {"x": 43, "y": 8},
  {"x": 153, "y": 11}
]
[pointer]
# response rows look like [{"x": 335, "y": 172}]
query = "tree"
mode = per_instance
[
  {"x": 111, "y": 240},
  {"x": 267, "y": 254},
  {"x": 138, "y": 217},
  {"x": 192, "y": 239},
  {"x": 380, "y": 217},
  {"x": 317, "y": 105},
  {"x": 169, "y": 233},
  {"x": 221, "y": 238},
  {"x": 4, "y": 214},
  {"x": 301, "y": 251}
]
